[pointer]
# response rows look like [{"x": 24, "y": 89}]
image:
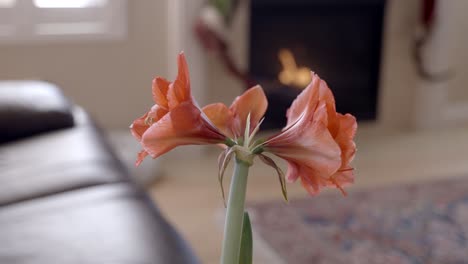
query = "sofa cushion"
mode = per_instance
[
  {"x": 112, "y": 223},
  {"x": 55, "y": 162},
  {"x": 31, "y": 107}
]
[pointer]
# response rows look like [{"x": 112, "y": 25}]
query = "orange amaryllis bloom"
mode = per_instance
[
  {"x": 317, "y": 142},
  {"x": 232, "y": 120},
  {"x": 175, "y": 119}
]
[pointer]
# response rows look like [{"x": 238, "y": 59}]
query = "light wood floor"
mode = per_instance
[{"x": 189, "y": 195}]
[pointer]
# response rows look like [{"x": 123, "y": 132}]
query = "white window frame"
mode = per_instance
[{"x": 24, "y": 22}]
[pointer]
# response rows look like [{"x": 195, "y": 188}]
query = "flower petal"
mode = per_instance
[
  {"x": 220, "y": 116},
  {"x": 311, "y": 181},
  {"x": 345, "y": 137},
  {"x": 313, "y": 146},
  {"x": 326, "y": 95},
  {"x": 179, "y": 90},
  {"x": 344, "y": 176},
  {"x": 317, "y": 142},
  {"x": 341, "y": 179},
  {"x": 293, "y": 172},
  {"x": 140, "y": 157},
  {"x": 183, "y": 125},
  {"x": 160, "y": 89},
  {"x": 305, "y": 102},
  {"x": 140, "y": 125},
  {"x": 252, "y": 101}
]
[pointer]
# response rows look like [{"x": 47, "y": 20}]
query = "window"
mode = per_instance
[
  {"x": 68, "y": 3},
  {"x": 39, "y": 20},
  {"x": 7, "y": 3}
]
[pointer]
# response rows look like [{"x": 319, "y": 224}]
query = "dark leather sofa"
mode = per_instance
[{"x": 64, "y": 196}]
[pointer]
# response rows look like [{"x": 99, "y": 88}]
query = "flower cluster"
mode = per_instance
[{"x": 317, "y": 142}]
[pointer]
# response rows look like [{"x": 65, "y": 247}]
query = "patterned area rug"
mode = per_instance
[{"x": 411, "y": 224}]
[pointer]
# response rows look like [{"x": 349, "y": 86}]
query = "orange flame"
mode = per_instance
[{"x": 291, "y": 74}]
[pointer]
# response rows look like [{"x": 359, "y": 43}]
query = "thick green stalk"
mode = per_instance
[{"x": 235, "y": 214}]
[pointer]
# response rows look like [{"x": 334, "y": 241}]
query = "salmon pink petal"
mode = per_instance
[
  {"x": 179, "y": 90},
  {"x": 252, "y": 101},
  {"x": 305, "y": 102},
  {"x": 139, "y": 126},
  {"x": 317, "y": 142},
  {"x": 155, "y": 113},
  {"x": 345, "y": 137},
  {"x": 344, "y": 177},
  {"x": 313, "y": 146},
  {"x": 160, "y": 89},
  {"x": 312, "y": 180},
  {"x": 312, "y": 184},
  {"x": 326, "y": 95},
  {"x": 221, "y": 117},
  {"x": 140, "y": 157},
  {"x": 293, "y": 172},
  {"x": 183, "y": 125}
]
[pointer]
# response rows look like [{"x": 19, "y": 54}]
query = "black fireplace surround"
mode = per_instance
[{"x": 340, "y": 40}]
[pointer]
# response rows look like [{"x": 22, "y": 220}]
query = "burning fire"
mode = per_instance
[{"x": 292, "y": 75}]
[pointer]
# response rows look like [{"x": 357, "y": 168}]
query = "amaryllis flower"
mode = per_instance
[
  {"x": 232, "y": 121},
  {"x": 175, "y": 119},
  {"x": 317, "y": 142}
]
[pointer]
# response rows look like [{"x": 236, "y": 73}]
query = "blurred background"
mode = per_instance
[{"x": 401, "y": 67}]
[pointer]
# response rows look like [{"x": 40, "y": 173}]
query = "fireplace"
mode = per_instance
[{"x": 340, "y": 40}]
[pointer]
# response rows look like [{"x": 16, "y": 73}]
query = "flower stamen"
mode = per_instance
[
  {"x": 247, "y": 131},
  {"x": 149, "y": 120},
  {"x": 335, "y": 182},
  {"x": 252, "y": 135}
]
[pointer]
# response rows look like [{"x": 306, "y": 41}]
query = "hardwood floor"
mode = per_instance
[{"x": 190, "y": 197}]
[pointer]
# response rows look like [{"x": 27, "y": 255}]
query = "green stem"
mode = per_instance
[{"x": 235, "y": 214}]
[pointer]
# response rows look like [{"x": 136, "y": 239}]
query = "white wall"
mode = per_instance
[
  {"x": 444, "y": 102},
  {"x": 397, "y": 73},
  {"x": 111, "y": 79},
  {"x": 459, "y": 53}
]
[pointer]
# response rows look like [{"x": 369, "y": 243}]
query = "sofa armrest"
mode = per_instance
[{"x": 28, "y": 108}]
